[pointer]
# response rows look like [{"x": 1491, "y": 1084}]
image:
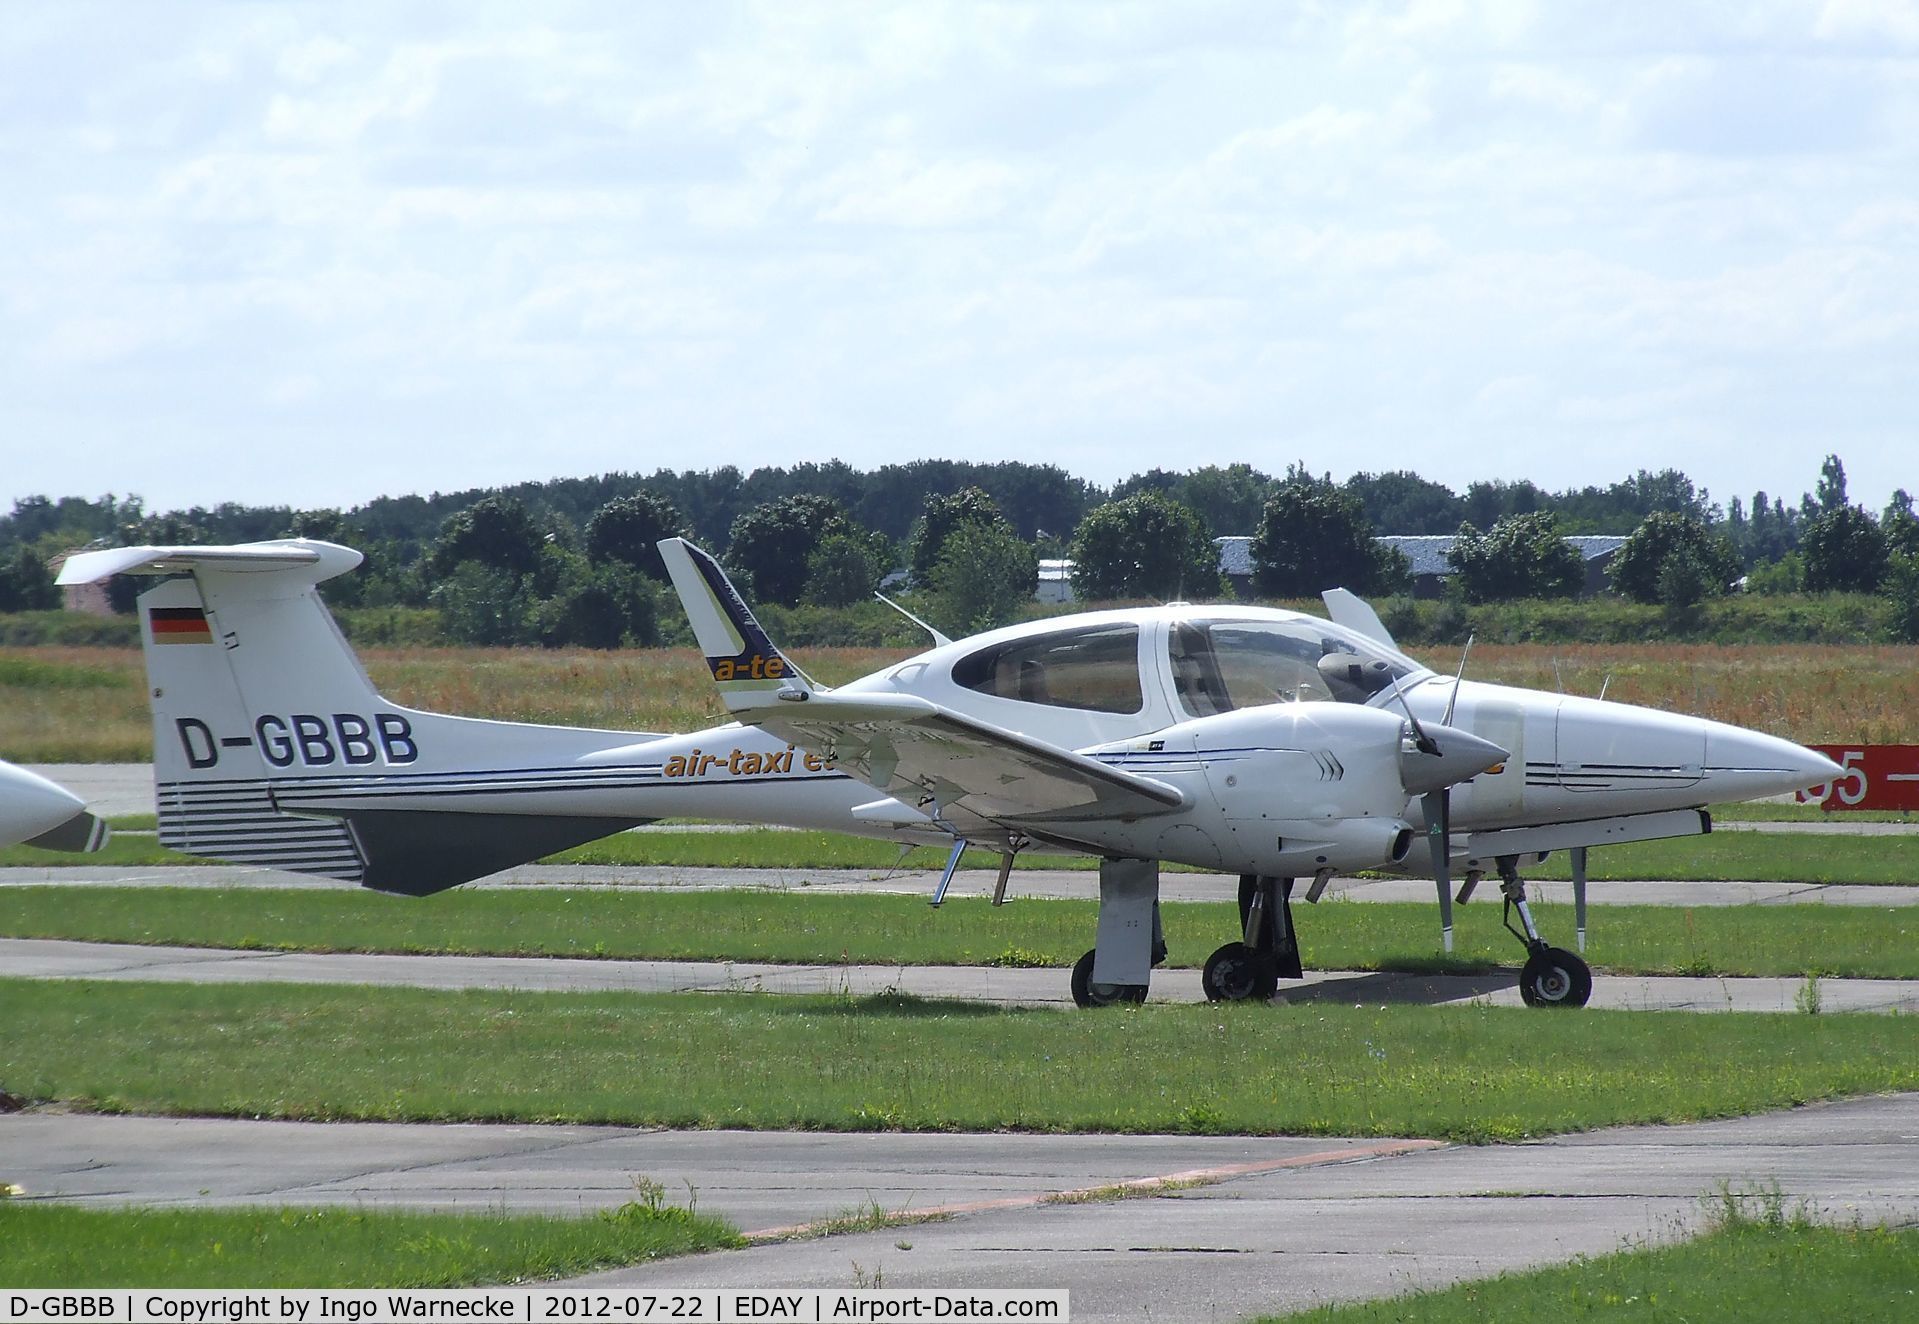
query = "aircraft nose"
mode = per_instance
[
  {"x": 1461, "y": 755},
  {"x": 31, "y": 805},
  {"x": 1745, "y": 765}
]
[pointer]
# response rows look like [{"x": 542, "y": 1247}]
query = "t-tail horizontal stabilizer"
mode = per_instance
[{"x": 272, "y": 747}]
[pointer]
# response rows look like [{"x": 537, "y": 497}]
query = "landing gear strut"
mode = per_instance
[
  {"x": 1251, "y": 968},
  {"x": 1553, "y": 976},
  {"x": 1129, "y": 942}
]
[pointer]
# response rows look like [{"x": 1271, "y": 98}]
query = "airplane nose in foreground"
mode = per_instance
[
  {"x": 1745, "y": 765},
  {"x": 31, "y": 805},
  {"x": 1461, "y": 755}
]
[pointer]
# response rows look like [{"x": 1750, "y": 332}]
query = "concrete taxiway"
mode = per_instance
[
  {"x": 49, "y": 959},
  {"x": 1240, "y": 1225}
]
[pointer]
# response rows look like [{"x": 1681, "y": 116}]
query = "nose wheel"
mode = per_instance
[
  {"x": 1238, "y": 973},
  {"x": 1552, "y": 976},
  {"x": 1268, "y": 950}
]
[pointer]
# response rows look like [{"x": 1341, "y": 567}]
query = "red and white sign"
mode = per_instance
[{"x": 1875, "y": 777}]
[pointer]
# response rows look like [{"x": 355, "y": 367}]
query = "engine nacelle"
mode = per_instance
[
  {"x": 1293, "y": 760},
  {"x": 1286, "y": 789},
  {"x": 1343, "y": 845}
]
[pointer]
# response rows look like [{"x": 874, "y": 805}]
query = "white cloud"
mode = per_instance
[
  {"x": 1897, "y": 20},
  {"x": 896, "y": 188},
  {"x": 1479, "y": 239}
]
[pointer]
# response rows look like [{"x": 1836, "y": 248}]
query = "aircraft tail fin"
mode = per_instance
[
  {"x": 272, "y": 747},
  {"x": 1355, "y": 613},
  {"x": 746, "y": 665}
]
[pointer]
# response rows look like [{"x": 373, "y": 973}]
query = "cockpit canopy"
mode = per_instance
[
  {"x": 1221, "y": 665},
  {"x": 1216, "y": 661}
]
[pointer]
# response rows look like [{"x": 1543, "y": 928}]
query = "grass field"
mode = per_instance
[
  {"x": 897, "y": 1063},
  {"x": 817, "y": 929},
  {"x": 1766, "y": 1268},
  {"x": 1727, "y": 856},
  {"x": 50, "y": 1245},
  {"x": 88, "y": 705}
]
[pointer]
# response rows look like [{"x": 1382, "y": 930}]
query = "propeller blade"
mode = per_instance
[
  {"x": 1423, "y": 741},
  {"x": 1438, "y": 807}
]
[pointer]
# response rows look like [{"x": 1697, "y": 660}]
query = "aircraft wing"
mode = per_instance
[
  {"x": 970, "y": 773},
  {"x": 963, "y": 769}
]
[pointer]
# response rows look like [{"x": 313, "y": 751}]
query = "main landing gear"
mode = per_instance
[
  {"x": 1250, "y": 970},
  {"x": 1129, "y": 942},
  {"x": 1552, "y": 976}
]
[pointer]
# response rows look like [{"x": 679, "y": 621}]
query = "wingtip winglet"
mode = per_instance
[{"x": 745, "y": 663}]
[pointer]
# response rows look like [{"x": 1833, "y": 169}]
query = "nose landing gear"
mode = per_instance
[
  {"x": 1552, "y": 976},
  {"x": 1252, "y": 968}
]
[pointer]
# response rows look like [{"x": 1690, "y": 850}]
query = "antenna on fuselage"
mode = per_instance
[
  {"x": 1458, "y": 679},
  {"x": 939, "y": 640}
]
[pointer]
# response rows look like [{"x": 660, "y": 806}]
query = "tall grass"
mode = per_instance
[
  {"x": 73, "y": 705},
  {"x": 89, "y": 704}
]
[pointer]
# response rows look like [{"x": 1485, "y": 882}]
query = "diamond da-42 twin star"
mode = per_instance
[{"x": 1281, "y": 732}]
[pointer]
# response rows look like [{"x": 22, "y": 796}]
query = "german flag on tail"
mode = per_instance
[{"x": 179, "y": 625}]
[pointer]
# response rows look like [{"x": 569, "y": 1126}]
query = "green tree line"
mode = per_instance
[{"x": 573, "y": 561}]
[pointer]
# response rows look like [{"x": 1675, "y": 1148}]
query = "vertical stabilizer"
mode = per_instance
[
  {"x": 213, "y": 784},
  {"x": 1356, "y": 614},
  {"x": 272, "y": 747}
]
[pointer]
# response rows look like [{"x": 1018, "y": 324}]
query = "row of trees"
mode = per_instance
[
  {"x": 1042, "y": 503},
  {"x": 502, "y": 570}
]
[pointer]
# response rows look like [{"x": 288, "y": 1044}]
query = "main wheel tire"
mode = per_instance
[
  {"x": 1554, "y": 977},
  {"x": 1088, "y": 994},
  {"x": 1238, "y": 973}
]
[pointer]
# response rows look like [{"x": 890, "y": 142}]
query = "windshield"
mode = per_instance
[{"x": 1222, "y": 665}]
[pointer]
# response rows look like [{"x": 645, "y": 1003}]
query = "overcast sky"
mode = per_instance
[{"x": 315, "y": 253}]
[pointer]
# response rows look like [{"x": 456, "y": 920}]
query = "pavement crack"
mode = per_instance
[{"x": 534, "y": 1145}]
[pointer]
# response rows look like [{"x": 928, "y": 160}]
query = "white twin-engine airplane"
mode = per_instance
[
  {"x": 1174, "y": 733},
  {"x": 42, "y": 813},
  {"x": 1247, "y": 740}
]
